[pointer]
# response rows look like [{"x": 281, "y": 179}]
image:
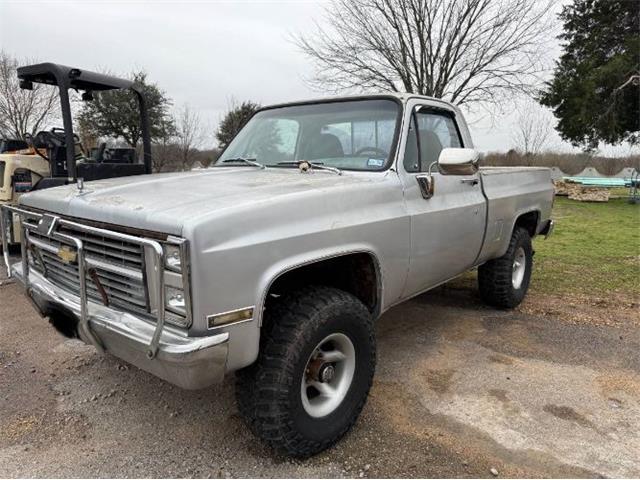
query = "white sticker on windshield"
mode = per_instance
[{"x": 375, "y": 162}]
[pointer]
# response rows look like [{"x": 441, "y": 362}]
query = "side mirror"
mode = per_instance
[{"x": 458, "y": 161}]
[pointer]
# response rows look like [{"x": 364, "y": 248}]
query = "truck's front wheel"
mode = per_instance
[
  {"x": 313, "y": 373},
  {"x": 504, "y": 281}
]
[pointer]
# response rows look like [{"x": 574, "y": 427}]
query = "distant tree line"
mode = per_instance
[{"x": 568, "y": 163}]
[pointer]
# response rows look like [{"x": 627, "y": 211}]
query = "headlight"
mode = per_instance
[
  {"x": 175, "y": 300},
  {"x": 172, "y": 257}
]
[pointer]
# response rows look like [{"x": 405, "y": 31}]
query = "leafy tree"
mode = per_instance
[
  {"x": 233, "y": 121},
  {"x": 115, "y": 113},
  {"x": 595, "y": 90}
]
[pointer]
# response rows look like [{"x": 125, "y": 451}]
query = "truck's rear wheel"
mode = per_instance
[
  {"x": 313, "y": 373},
  {"x": 504, "y": 281}
]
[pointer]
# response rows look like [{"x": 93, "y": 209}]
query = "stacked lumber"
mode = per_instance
[{"x": 581, "y": 193}]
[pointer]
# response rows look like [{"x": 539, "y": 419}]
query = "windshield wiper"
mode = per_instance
[
  {"x": 248, "y": 161},
  {"x": 319, "y": 166}
]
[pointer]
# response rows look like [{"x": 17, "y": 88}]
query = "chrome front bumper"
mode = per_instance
[{"x": 188, "y": 362}]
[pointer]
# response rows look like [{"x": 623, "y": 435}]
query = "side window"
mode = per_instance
[
  {"x": 411, "y": 160},
  {"x": 429, "y": 133},
  {"x": 435, "y": 132}
]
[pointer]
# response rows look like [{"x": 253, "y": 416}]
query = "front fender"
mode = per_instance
[{"x": 307, "y": 258}]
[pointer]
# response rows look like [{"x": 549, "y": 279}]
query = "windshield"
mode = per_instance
[{"x": 352, "y": 135}]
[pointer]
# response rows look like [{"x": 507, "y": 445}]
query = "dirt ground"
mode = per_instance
[{"x": 550, "y": 390}]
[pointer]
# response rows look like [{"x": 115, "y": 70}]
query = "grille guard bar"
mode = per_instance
[{"x": 48, "y": 225}]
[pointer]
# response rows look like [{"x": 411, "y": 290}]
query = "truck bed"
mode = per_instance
[{"x": 511, "y": 192}]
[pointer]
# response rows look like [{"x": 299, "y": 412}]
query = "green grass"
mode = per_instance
[
  {"x": 619, "y": 192},
  {"x": 595, "y": 249}
]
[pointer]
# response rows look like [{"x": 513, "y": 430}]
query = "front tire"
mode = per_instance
[
  {"x": 504, "y": 281},
  {"x": 313, "y": 373}
]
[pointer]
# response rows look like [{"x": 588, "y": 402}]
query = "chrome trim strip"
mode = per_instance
[{"x": 186, "y": 279}]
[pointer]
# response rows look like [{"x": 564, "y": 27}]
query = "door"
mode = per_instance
[{"x": 447, "y": 229}]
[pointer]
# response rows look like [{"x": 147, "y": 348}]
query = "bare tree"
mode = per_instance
[
  {"x": 464, "y": 51},
  {"x": 23, "y": 111},
  {"x": 189, "y": 136},
  {"x": 532, "y": 129},
  {"x": 165, "y": 153}
]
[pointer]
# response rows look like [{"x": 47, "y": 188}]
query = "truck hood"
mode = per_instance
[{"x": 165, "y": 202}]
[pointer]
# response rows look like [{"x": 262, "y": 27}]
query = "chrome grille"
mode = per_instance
[
  {"x": 117, "y": 252},
  {"x": 119, "y": 266}
]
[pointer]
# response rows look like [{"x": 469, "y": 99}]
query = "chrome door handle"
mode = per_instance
[{"x": 470, "y": 181}]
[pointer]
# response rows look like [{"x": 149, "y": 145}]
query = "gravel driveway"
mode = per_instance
[{"x": 461, "y": 390}]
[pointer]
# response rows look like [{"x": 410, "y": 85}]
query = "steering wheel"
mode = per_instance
[
  {"x": 29, "y": 139},
  {"x": 372, "y": 150},
  {"x": 60, "y": 136},
  {"x": 55, "y": 137}
]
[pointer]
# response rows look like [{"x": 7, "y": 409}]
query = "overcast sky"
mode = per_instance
[{"x": 201, "y": 53}]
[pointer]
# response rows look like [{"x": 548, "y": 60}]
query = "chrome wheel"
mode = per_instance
[
  {"x": 328, "y": 375},
  {"x": 519, "y": 267}
]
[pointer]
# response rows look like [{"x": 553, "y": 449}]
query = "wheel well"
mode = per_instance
[
  {"x": 528, "y": 221},
  {"x": 356, "y": 273}
]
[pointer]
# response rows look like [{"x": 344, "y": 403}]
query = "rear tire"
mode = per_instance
[
  {"x": 504, "y": 281},
  {"x": 315, "y": 337}
]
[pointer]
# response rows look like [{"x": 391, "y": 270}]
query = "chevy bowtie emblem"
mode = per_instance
[{"x": 66, "y": 254}]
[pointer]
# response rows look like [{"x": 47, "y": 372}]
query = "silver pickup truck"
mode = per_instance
[{"x": 275, "y": 262}]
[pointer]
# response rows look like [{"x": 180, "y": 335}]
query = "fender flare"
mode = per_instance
[{"x": 271, "y": 277}]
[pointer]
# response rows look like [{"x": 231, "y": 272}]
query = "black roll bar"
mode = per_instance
[{"x": 68, "y": 77}]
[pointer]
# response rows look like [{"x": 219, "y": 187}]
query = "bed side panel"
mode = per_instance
[{"x": 512, "y": 192}]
